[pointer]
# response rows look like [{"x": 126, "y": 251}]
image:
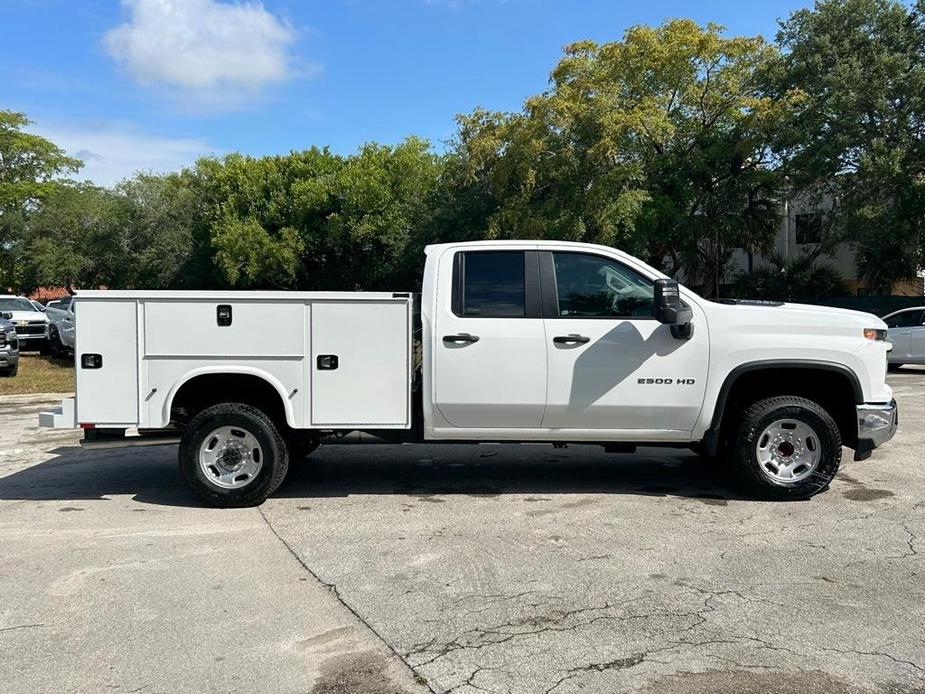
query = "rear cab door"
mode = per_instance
[{"x": 488, "y": 344}]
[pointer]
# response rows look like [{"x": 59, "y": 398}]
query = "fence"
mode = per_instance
[{"x": 878, "y": 305}]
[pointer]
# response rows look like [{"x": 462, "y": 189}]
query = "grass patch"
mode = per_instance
[{"x": 38, "y": 374}]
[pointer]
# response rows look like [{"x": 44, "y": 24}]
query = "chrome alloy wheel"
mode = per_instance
[
  {"x": 788, "y": 450},
  {"x": 230, "y": 457}
]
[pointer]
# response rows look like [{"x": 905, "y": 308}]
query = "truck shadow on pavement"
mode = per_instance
[
  {"x": 150, "y": 475},
  {"x": 470, "y": 470}
]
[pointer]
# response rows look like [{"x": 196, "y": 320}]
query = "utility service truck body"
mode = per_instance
[{"x": 518, "y": 341}]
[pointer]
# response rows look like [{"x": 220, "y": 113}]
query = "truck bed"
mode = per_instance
[{"x": 339, "y": 360}]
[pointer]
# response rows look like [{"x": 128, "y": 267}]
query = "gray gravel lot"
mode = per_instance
[{"x": 483, "y": 568}]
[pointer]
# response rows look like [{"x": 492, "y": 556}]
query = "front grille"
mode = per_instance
[{"x": 35, "y": 328}]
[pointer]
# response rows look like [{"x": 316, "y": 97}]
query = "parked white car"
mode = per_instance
[
  {"x": 906, "y": 332},
  {"x": 521, "y": 341},
  {"x": 30, "y": 323}
]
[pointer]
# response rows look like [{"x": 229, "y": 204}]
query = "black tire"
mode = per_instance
[
  {"x": 275, "y": 462},
  {"x": 55, "y": 346},
  {"x": 44, "y": 348},
  {"x": 765, "y": 413},
  {"x": 10, "y": 371}
]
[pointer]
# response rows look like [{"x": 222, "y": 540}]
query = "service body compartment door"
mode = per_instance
[
  {"x": 361, "y": 364},
  {"x": 107, "y": 384}
]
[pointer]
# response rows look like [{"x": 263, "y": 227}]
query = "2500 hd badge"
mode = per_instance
[{"x": 665, "y": 381}]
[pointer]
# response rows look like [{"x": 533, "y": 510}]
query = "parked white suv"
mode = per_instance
[
  {"x": 519, "y": 341},
  {"x": 31, "y": 324}
]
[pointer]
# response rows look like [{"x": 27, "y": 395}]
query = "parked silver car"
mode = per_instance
[
  {"x": 9, "y": 347},
  {"x": 61, "y": 326},
  {"x": 906, "y": 332}
]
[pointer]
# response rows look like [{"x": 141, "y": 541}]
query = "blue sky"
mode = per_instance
[{"x": 152, "y": 84}]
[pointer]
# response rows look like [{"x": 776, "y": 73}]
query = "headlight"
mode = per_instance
[{"x": 878, "y": 334}]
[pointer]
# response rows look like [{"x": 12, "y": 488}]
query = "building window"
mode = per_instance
[{"x": 808, "y": 228}]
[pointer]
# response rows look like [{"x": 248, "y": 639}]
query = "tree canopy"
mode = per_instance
[
  {"x": 675, "y": 142},
  {"x": 861, "y": 65},
  {"x": 659, "y": 143}
]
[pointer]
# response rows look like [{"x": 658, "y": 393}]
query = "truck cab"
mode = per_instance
[{"x": 509, "y": 341}]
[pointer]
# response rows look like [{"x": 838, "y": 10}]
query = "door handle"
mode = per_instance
[
  {"x": 571, "y": 339},
  {"x": 461, "y": 337}
]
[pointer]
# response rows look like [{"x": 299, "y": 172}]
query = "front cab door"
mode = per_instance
[{"x": 611, "y": 365}]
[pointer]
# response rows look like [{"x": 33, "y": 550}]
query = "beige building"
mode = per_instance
[{"x": 802, "y": 229}]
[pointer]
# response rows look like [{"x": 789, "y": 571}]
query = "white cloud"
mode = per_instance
[
  {"x": 214, "y": 52},
  {"x": 111, "y": 152}
]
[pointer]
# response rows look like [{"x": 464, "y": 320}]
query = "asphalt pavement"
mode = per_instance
[{"x": 387, "y": 569}]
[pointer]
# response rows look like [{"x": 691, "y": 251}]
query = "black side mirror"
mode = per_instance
[
  {"x": 7, "y": 315},
  {"x": 670, "y": 310}
]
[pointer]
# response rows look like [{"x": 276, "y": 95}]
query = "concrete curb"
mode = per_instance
[{"x": 34, "y": 398}]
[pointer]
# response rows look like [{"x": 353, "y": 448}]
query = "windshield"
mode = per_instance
[{"x": 16, "y": 304}]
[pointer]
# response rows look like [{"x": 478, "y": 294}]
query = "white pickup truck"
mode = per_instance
[{"x": 517, "y": 341}]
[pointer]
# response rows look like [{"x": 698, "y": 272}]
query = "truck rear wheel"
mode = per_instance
[
  {"x": 233, "y": 455},
  {"x": 786, "y": 448}
]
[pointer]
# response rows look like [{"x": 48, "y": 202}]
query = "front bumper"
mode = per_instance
[
  {"x": 8, "y": 358},
  {"x": 876, "y": 426}
]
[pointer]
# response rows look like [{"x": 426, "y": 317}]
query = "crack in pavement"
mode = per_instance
[
  {"x": 21, "y": 626},
  {"x": 332, "y": 588},
  {"x": 477, "y": 638}
]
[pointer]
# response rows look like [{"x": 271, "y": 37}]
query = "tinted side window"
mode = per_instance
[
  {"x": 589, "y": 285},
  {"x": 905, "y": 319},
  {"x": 494, "y": 284}
]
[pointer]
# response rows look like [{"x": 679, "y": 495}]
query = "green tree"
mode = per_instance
[
  {"x": 257, "y": 228},
  {"x": 160, "y": 231},
  {"x": 378, "y": 211},
  {"x": 69, "y": 239},
  {"x": 658, "y": 143},
  {"x": 139, "y": 234},
  {"x": 314, "y": 220},
  {"x": 861, "y": 128},
  {"x": 30, "y": 168}
]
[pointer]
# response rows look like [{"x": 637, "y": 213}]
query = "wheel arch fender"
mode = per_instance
[
  {"x": 229, "y": 370},
  {"x": 711, "y": 436}
]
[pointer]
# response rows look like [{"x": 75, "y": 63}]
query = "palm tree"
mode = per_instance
[{"x": 799, "y": 277}]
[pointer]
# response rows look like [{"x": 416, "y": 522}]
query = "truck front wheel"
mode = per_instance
[
  {"x": 786, "y": 448},
  {"x": 233, "y": 455}
]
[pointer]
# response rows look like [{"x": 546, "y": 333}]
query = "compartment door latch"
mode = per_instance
[{"x": 327, "y": 362}]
